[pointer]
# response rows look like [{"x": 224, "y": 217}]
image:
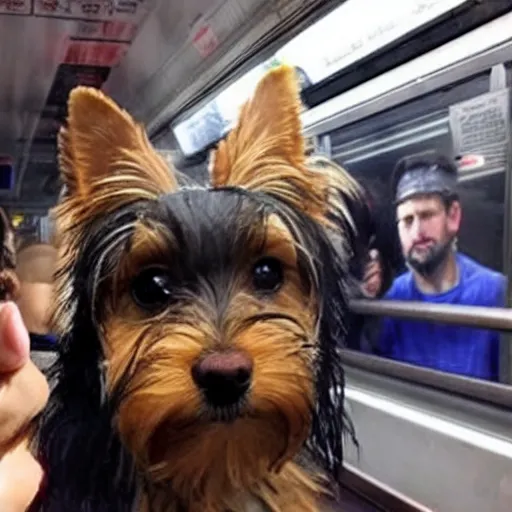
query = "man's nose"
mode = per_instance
[{"x": 416, "y": 229}]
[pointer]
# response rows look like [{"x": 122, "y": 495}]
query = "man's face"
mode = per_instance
[{"x": 427, "y": 230}]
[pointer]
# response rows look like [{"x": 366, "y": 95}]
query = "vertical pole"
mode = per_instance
[{"x": 506, "y": 339}]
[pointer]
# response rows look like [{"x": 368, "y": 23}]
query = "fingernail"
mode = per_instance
[{"x": 14, "y": 342}]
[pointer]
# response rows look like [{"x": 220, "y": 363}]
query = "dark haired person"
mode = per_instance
[{"x": 428, "y": 217}]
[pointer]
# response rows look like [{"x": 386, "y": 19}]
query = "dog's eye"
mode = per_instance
[
  {"x": 267, "y": 275},
  {"x": 152, "y": 289}
]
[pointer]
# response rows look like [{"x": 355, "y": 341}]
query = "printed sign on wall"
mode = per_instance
[
  {"x": 119, "y": 10},
  {"x": 481, "y": 126},
  {"x": 23, "y": 7}
]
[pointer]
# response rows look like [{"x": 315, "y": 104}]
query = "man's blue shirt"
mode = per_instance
[{"x": 461, "y": 350}]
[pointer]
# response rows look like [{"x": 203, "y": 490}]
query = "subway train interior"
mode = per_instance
[{"x": 379, "y": 81}]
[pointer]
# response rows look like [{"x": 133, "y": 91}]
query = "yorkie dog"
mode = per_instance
[{"x": 198, "y": 368}]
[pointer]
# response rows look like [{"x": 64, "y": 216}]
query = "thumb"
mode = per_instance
[{"x": 14, "y": 339}]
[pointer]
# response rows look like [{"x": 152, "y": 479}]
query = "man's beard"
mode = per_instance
[{"x": 436, "y": 256}]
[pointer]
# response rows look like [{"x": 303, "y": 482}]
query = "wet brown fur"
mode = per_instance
[
  {"x": 202, "y": 454},
  {"x": 161, "y": 417}
]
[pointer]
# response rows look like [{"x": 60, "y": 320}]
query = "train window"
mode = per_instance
[
  {"x": 315, "y": 62},
  {"x": 442, "y": 240}
]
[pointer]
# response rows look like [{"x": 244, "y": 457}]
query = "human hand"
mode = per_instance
[
  {"x": 23, "y": 394},
  {"x": 372, "y": 279}
]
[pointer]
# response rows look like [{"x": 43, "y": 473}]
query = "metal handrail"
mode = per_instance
[{"x": 499, "y": 319}]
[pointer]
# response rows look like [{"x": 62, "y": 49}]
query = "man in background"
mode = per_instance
[{"x": 428, "y": 217}]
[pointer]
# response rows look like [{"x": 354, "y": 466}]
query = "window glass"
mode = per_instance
[{"x": 442, "y": 248}]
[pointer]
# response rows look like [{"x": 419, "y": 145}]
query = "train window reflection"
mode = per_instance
[{"x": 435, "y": 169}]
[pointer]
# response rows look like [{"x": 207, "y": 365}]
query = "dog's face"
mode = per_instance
[
  {"x": 210, "y": 337},
  {"x": 211, "y": 306}
]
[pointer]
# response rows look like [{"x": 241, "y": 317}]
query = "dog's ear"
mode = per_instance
[
  {"x": 266, "y": 152},
  {"x": 105, "y": 157}
]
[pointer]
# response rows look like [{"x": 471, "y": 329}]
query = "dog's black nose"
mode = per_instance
[{"x": 223, "y": 377}]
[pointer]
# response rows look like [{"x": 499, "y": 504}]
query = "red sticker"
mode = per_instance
[
  {"x": 470, "y": 162},
  {"x": 95, "y": 53},
  {"x": 205, "y": 41}
]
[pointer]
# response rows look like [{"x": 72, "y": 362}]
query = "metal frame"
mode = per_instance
[
  {"x": 506, "y": 340},
  {"x": 449, "y": 26},
  {"x": 472, "y": 316},
  {"x": 483, "y": 391},
  {"x": 420, "y": 87},
  {"x": 466, "y": 17},
  {"x": 499, "y": 319},
  {"x": 372, "y": 491},
  {"x": 397, "y": 421}
]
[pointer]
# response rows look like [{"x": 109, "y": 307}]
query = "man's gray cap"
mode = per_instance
[{"x": 424, "y": 173}]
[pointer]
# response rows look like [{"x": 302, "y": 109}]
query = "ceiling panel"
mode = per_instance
[
  {"x": 28, "y": 67},
  {"x": 173, "y": 44},
  {"x": 152, "y": 56},
  {"x": 53, "y": 45}
]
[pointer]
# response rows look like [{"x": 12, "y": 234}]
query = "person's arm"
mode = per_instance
[
  {"x": 371, "y": 286},
  {"x": 378, "y": 335},
  {"x": 23, "y": 393}
]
